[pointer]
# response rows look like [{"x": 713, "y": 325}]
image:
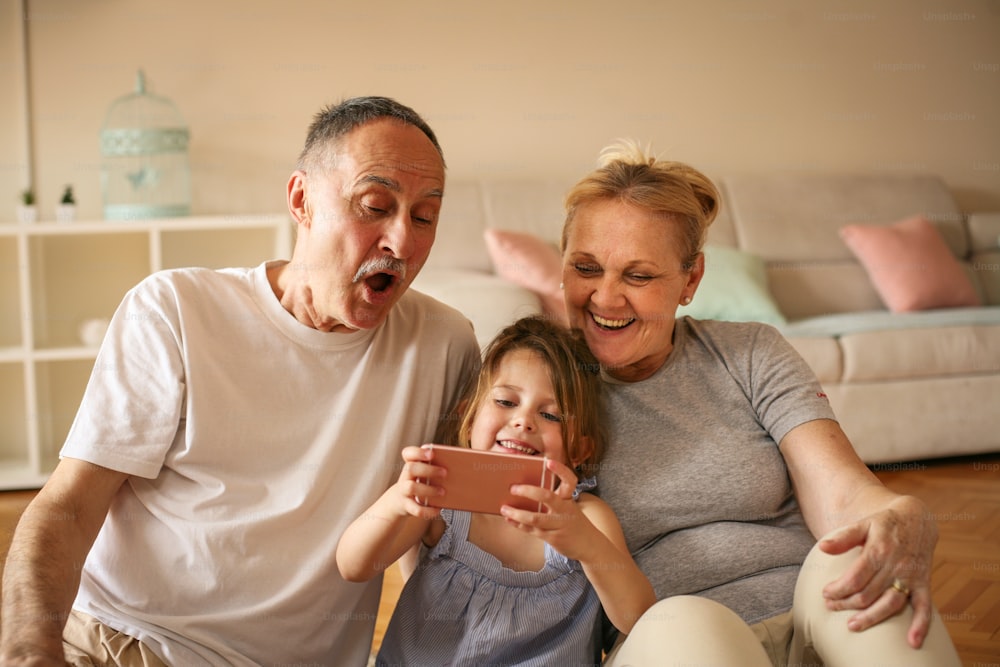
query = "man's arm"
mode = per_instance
[{"x": 42, "y": 573}]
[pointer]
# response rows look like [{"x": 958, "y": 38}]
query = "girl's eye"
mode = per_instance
[
  {"x": 551, "y": 417},
  {"x": 504, "y": 403}
]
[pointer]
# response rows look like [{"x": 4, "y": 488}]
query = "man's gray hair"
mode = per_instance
[{"x": 336, "y": 120}]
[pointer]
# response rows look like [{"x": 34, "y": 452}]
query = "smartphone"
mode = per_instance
[{"x": 480, "y": 481}]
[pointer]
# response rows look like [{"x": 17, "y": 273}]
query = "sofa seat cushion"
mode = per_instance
[
  {"x": 489, "y": 301},
  {"x": 840, "y": 324},
  {"x": 822, "y": 353},
  {"x": 880, "y": 346}
]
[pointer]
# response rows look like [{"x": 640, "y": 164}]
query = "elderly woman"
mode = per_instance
[{"x": 726, "y": 463}]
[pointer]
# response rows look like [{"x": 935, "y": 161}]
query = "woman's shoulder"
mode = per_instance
[{"x": 724, "y": 336}]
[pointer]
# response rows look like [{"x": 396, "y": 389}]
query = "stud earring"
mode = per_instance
[
  {"x": 686, "y": 300},
  {"x": 560, "y": 285}
]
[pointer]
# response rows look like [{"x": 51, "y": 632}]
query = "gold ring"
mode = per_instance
[{"x": 900, "y": 587}]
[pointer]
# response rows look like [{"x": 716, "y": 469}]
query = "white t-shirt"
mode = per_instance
[{"x": 252, "y": 441}]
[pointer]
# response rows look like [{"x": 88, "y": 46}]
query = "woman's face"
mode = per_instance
[{"x": 623, "y": 281}]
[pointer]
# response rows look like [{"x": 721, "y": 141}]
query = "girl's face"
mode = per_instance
[{"x": 520, "y": 415}]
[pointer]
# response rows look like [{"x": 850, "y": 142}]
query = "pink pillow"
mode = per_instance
[
  {"x": 910, "y": 265},
  {"x": 527, "y": 260}
]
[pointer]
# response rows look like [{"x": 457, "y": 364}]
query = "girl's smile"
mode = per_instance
[{"x": 520, "y": 414}]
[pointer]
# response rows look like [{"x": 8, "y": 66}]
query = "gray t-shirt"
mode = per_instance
[{"x": 694, "y": 472}]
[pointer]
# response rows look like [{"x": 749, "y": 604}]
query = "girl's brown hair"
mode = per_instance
[{"x": 575, "y": 375}]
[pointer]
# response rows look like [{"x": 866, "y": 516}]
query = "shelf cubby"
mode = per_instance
[{"x": 56, "y": 276}]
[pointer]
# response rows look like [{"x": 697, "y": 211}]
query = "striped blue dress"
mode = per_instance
[{"x": 462, "y": 607}]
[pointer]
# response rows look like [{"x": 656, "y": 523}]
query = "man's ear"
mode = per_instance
[{"x": 296, "y": 196}]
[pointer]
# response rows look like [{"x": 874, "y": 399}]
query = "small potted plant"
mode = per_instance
[
  {"x": 66, "y": 210},
  {"x": 26, "y": 210}
]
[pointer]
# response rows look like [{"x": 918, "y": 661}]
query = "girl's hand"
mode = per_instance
[
  {"x": 416, "y": 482},
  {"x": 562, "y": 524},
  {"x": 897, "y": 546}
]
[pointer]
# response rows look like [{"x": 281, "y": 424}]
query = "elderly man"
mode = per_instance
[{"x": 239, "y": 419}]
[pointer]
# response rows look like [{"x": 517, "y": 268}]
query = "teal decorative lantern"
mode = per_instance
[{"x": 145, "y": 172}]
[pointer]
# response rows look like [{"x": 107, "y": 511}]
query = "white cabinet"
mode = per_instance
[{"x": 54, "y": 277}]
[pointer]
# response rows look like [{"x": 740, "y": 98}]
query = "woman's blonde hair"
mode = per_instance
[
  {"x": 674, "y": 190},
  {"x": 575, "y": 375}
]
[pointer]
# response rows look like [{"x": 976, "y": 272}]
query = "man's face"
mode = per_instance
[{"x": 367, "y": 223}]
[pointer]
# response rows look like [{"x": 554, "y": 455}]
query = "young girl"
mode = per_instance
[{"x": 521, "y": 588}]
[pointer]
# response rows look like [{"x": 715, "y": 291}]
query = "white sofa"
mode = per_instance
[{"x": 905, "y": 386}]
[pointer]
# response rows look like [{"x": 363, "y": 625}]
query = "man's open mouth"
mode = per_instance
[
  {"x": 611, "y": 325},
  {"x": 380, "y": 282}
]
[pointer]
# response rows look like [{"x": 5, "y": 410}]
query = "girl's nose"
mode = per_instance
[{"x": 523, "y": 419}]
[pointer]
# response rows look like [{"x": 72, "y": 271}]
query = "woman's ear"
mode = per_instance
[{"x": 695, "y": 275}]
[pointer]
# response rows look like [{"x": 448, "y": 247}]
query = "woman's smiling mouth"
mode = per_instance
[{"x": 605, "y": 323}]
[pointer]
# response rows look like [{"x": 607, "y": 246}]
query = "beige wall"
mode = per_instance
[{"x": 516, "y": 88}]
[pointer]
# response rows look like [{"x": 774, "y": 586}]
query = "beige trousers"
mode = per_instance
[
  {"x": 89, "y": 643},
  {"x": 687, "y": 630}
]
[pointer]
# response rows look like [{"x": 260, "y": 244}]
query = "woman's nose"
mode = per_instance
[{"x": 607, "y": 292}]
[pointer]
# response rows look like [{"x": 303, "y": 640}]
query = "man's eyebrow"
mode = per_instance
[
  {"x": 385, "y": 182},
  {"x": 394, "y": 186}
]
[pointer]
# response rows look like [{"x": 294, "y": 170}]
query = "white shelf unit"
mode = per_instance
[{"x": 54, "y": 276}]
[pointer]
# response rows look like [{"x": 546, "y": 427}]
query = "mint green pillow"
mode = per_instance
[{"x": 734, "y": 288}]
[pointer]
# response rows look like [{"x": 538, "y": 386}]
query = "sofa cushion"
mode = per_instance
[
  {"x": 881, "y": 346},
  {"x": 531, "y": 262},
  {"x": 489, "y": 301},
  {"x": 984, "y": 236},
  {"x": 822, "y": 354},
  {"x": 791, "y": 219},
  {"x": 734, "y": 288},
  {"x": 920, "y": 353},
  {"x": 910, "y": 265}
]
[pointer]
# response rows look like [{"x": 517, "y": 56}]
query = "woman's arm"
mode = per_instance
[
  {"x": 588, "y": 531},
  {"x": 50, "y": 544},
  {"x": 845, "y": 505},
  {"x": 394, "y": 524}
]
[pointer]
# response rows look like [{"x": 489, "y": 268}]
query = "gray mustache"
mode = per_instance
[{"x": 380, "y": 264}]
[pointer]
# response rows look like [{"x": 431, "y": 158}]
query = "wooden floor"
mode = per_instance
[{"x": 962, "y": 494}]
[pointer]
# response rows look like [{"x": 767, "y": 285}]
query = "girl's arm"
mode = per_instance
[
  {"x": 588, "y": 531},
  {"x": 624, "y": 590},
  {"x": 394, "y": 524}
]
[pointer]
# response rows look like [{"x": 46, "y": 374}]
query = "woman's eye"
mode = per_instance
[
  {"x": 587, "y": 269},
  {"x": 639, "y": 277}
]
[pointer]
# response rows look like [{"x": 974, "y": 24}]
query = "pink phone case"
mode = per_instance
[{"x": 480, "y": 481}]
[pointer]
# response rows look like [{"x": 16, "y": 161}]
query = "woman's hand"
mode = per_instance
[
  {"x": 843, "y": 501},
  {"x": 897, "y": 547}
]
